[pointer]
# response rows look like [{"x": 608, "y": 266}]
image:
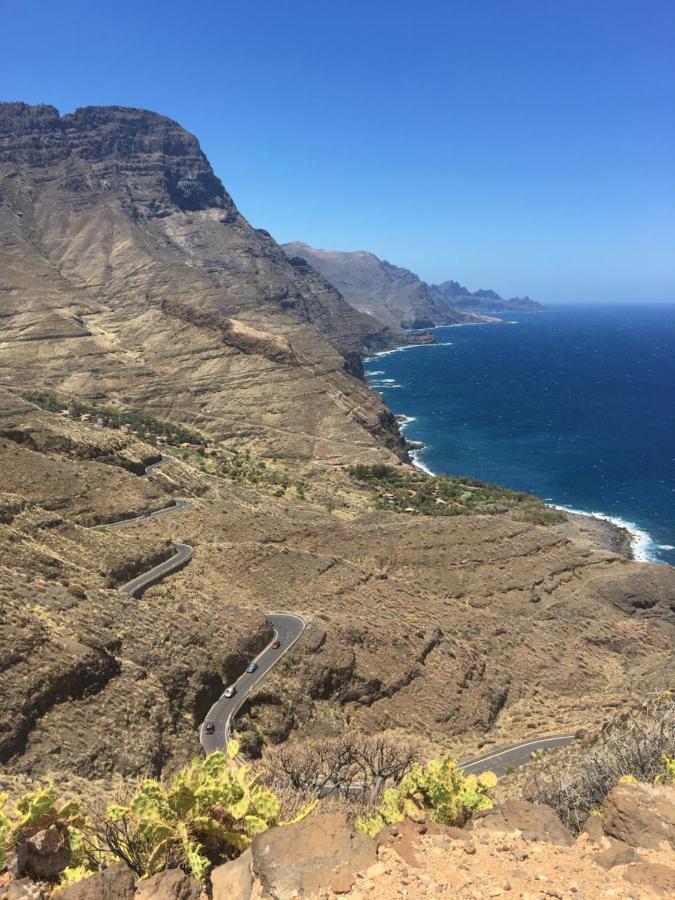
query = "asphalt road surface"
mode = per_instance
[
  {"x": 182, "y": 556},
  {"x": 179, "y": 503},
  {"x": 287, "y": 629},
  {"x": 160, "y": 462},
  {"x": 502, "y": 759}
]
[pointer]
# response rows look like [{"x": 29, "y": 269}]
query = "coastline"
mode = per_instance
[
  {"x": 605, "y": 532},
  {"x": 623, "y": 537},
  {"x": 373, "y": 357},
  {"x": 609, "y": 532}
]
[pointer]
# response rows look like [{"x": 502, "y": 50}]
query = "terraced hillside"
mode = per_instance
[{"x": 446, "y": 626}]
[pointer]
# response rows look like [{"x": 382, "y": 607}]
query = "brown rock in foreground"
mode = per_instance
[
  {"x": 641, "y": 815},
  {"x": 233, "y": 880},
  {"x": 306, "y": 858},
  {"x": 535, "y": 821},
  {"x": 173, "y": 884},
  {"x": 653, "y": 877},
  {"x": 617, "y": 854},
  {"x": 115, "y": 883}
]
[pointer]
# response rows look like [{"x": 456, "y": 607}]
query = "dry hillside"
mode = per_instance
[{"x": 128, "y": 279}]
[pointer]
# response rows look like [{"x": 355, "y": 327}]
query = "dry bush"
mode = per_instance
[
  {"x": 353, "y": 806},
  {"x": 353, "y": 767},
  {"x": 632, "y": 743}
]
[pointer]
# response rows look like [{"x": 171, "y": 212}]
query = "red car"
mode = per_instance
[{"x": 276, "y": 645}]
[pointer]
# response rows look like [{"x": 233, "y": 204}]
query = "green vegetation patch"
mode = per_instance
[
  {"x": 401, "y": 490},
  {"x": 146, "y": 427},
  {"x": 190, "y": 445}
]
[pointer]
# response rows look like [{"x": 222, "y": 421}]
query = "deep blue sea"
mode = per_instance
[{"x": 575, "y": 405}]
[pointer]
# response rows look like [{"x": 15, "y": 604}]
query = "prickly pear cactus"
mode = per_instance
[
  {"x": 438, "y": 791},
  {"x": 38, "y": 811},
  {"x": 210, "y": 810},
  {"x": 667, "y": 776}
]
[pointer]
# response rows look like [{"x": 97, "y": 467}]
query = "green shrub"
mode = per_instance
[
  {"x": 438, "y": 791},
  {"x": 144, "y": 425},
  {"x": 543, "y": 515}
]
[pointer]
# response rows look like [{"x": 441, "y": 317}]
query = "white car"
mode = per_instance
[{"x": 230, "y": 692}]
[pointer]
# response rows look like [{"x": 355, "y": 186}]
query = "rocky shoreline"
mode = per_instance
[{"x": 605, "y": 535}]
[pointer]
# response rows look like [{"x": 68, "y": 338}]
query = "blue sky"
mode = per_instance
[{"x": 523, "y": 145}]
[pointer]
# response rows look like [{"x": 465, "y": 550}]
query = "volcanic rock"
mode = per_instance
[
  {"x": 641, "y": 815},
  {"x": 536, "y": 821}
]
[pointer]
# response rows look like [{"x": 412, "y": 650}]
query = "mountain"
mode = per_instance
[
  {"x": 120, "y": 247},
  {"x": 143, "y": 320},
  {"x": 391, "y": 294},
  {"x": 481, "y": 301}
]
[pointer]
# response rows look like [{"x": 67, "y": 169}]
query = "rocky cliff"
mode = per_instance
[
  {"x": 120, "y": 246},
  {"x": 389, "y": 293}
]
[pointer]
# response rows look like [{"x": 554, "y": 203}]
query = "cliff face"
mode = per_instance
[
  {"x": 119, "y": 246},
  {"x": 391, "y": 294},
  {"x": 397, "y": 296},
  {"x": 483, "y": 302}
]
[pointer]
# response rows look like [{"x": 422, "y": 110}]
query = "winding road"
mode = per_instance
[
  {"x": 181, "y": 557},
  {"x": 288, "y": 627},
  {"x": 178, "y": 503}
]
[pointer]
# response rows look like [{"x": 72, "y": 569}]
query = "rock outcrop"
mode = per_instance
[
  {"x": 536, "y": 822},
  {"x": 640, "y": 815}
]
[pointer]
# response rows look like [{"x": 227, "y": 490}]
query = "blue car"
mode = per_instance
[{"x": 251, "y": 667}]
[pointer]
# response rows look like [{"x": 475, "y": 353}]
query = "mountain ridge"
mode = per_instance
[
  {"x": 114, "y": 216},
  {"x": 398, "y": 296},
  {"x": 483, "y": 301},
  {"x": 389, "y": 293}
]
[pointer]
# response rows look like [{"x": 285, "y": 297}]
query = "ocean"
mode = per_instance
[{"x": 575, "y": 405}]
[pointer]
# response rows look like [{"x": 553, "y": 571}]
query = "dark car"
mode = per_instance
[
  {"x": 210, "y": 728},
  {"x": 251, "y": 667},
  {"x": 276, "y": 645}
]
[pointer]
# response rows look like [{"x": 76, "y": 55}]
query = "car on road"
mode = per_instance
[
  {"x": 251, "y": 667},
  {"x": 210, "y": 728},
  {"x": 276, "y": 645},
  {"x": 230, "y": 692}
]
